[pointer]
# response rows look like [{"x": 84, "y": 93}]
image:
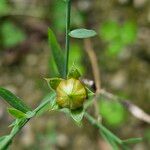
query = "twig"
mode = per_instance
[
  {"x": 102, "y": 128},
  {"x": 132, "y": 108},
  {"x": 94, "y": 64},
  {"x": 96, "y": 73}
]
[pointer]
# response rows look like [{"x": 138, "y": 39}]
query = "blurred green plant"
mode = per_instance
[
  {"x": 76, "y": 57},
  {"x": 58, "y": 12},
  {"x": 4, "y": 7},
  {"x": 11, "y": 34},
  {"x": 112, "y": 112},
  {"x": 118, "y": 36}
]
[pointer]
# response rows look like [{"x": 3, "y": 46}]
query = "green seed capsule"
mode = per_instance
[{"x": 71, "y": 94}]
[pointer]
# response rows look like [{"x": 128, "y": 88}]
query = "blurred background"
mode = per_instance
[{"x": 123, "y": 52}]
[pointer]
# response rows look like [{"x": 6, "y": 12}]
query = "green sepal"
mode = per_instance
[
  {"x": 77, "y": 115},
  {"x": 53, "y": 82},
  {"x": 65, "y": 110},
  {"x": 74, "y": 73},
  {"x": 16, "y": 113},
  {"x": 89, "y": 92}
]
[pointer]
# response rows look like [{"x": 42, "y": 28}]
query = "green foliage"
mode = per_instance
[
  {"x": 82, "y": 33},
  {"x": 109, "y": 30},
  {"x": 128, "y": 32},
  {"x": 56, "y": 52},
  {"x": 13, "y": 100},
  {"x": 118, "y": 36},
  {"x": 11, "y": 34},
  {"x": 77, "y": 115},
  {"x": 58, "y": 11},
  {"x": 53, "y": 71},
  {"x": 112, "y": 112},
  {"x": 3, "y": 7},
  {"x": 75, "y": 57}
]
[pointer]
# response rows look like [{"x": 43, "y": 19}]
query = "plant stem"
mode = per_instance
[
  {"x": 68, "y": 15},
  {"x": 22, "y": 122},
  {"x": 102, "y": 128}
]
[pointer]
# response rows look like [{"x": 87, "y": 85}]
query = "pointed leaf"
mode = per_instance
[
  {"x": 57, "y": 52},
  {"x": 74, "y": 73},
  {"x": 82, "y": 33},
  {"x": 16, "y": 113},
  {"x": 13, "y": 100},
  {"x": 77, "y": 115},
  {"x": 132, "y": 140},
  {"x": 53, "y": 82}
]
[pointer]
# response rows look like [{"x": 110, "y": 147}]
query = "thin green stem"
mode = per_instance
[
  {"x": 68, "y": 16},
  {"x": 102, "y": 128}
]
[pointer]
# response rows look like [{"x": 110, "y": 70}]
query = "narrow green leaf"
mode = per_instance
[
  {"x": 13, "y": 100},
  {"x": 53, "y": 82},
  {"x": 132, "y": 140},
  {"x": 16, "y": 113},
  {"x": 74, "y": 73},
  {"x": 56, "y": 52},
  {"x": 82, "y": 33},
  {"x": 77, "y": 115}
]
